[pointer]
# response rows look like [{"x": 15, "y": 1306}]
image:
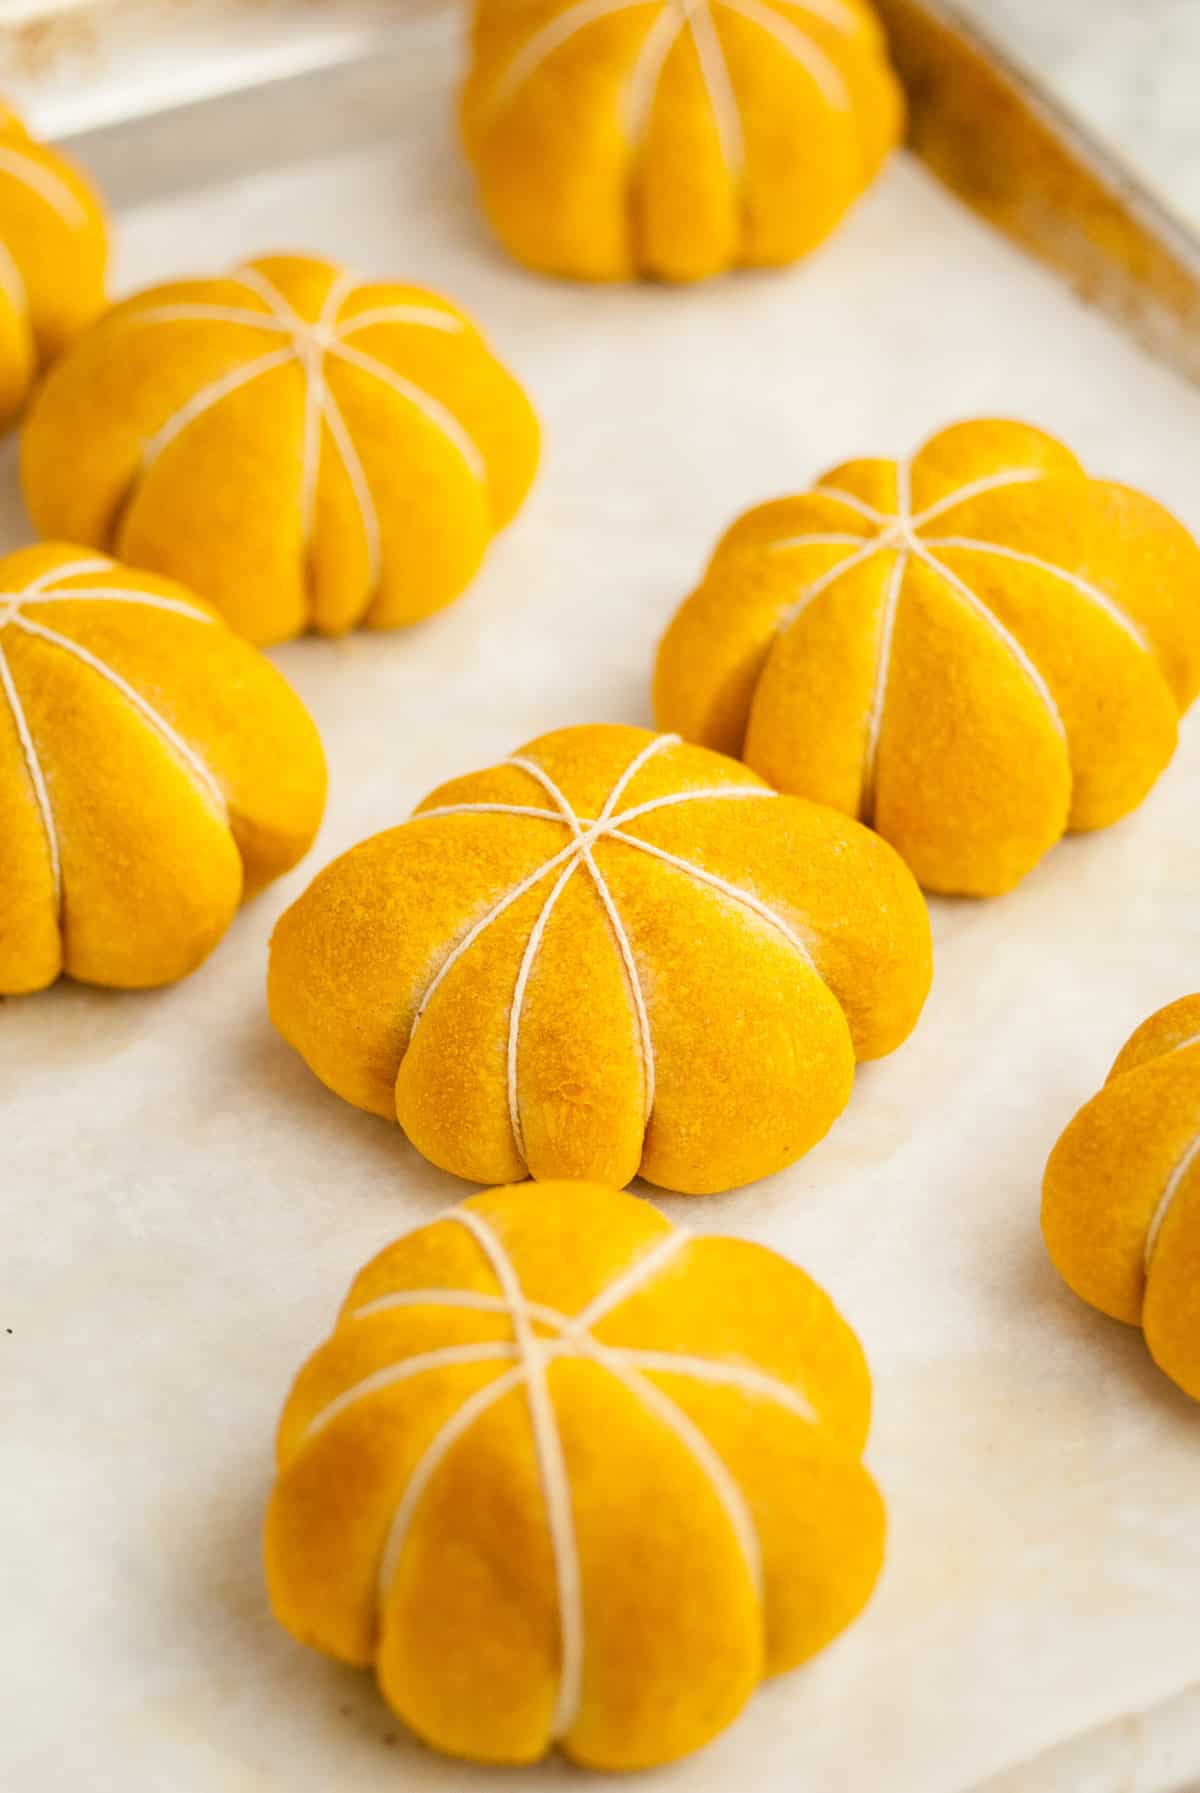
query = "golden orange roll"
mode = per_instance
[
  {"x": 972, "y": 651},
  {"x": 305, "y": 448},
  {"x": 53, "y": 258},
  {"x": 674, "y": 138},
  {"x": 565, "y": 1474},
  {"x": 154, "y": 771},
  {"x": 611, "y": 954},
  {"x": 1121, "y": 1197}
]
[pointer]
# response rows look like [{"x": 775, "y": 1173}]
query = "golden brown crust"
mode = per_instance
[
  {"x": 973, "y": 651},
  {"x": 684, "y": 993},
  {"x": 561, "y": 1473},
  {"x": 1121, "y": 1197},
  {"x": 154, "y": 769}
]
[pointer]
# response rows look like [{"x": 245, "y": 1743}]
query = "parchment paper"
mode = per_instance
[{"x": 183, "y": 1204}]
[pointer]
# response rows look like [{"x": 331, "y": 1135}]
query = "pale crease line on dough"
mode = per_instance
[
  {"x": 812, "y": 592},
  {"x": 584, "y": 842},
  {"x": 725, "y": 888},
  {"x": 1075, "y": 580},
  {"x": 724, "y": 1485},
  {"x": 815, "y": 541},
  {"x": 629, "y": 964},
  {"x": 117, "y": 595},
  {"x": 307, "y": 347},
  {"x": 883, "y": 669},
  {"x": 1181, "y": 1045},
  {"x": 669, "y": 801},
  {"x": 641, "y": 92},
  {"x": 310, "y": 353},
  {"x": 356, "y": 474},
  {"x": 643, "y": 1268},
  {"x": 821, "y": 70},
  {"x": 207, "y": 397},
  {"x": 310, "y": 350},
  {"x": 921, "y": 550},
  {"x": 422, "y": 316},
  {"x": 257, "y": 282},
  {"x": 726, "y": 1375},
  {"x": 391, "y": 1375},
  {"x": 610, "y": 831},
  {"x": 45, "y": 183},
  {"x": 187, "y": 311},
  {"x": 960, "y": 495},
  {"x": 605, "y": 819},
  {"x": 73, "y": 569},
  {"x": 1009, "y": 640},
  {"x": 993, "y": 482},
  {"x": 491, "y": 914},
  {"x": 37, "y": 777},
  {"x": 438, "y": 1448},
  {"x": 552, "y": 1469},
  {"x": 546, "y": 40},
  {"x": 723, "y": 793},
  {"x": 430, "y": 408},
  {"x": 904, "y": 491},
  {"x": 732, "y": 1374},
  {"x": 145, "y": 710},
  {"x": 714, "y": 72},
  {"x": 316, "y": 395},
  {"x": 595, "y": 830},
  {"x": 831, "y": 12},
  {"x": 659, "y": 744},
  {"x": 312, "y": 341},
  {"x": 551, "y": 1461},
  {"x": 671, "y": 1415},
  {"x": 838, "y": 496},
  {"x": 12, "y": 282},
  {"x": 630, "y": 1367},
  {"x": 1174, "y": 1185},
  {"x": 472, "y": 1299},
  {"x": 517, "y": 1005}
]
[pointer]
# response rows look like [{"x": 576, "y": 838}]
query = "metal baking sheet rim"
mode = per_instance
[{"x": 268, "y": 123}]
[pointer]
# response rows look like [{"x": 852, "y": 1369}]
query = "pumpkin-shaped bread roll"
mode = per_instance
[
  {"x": 674, "y": 138},
  {"x": 53, "y": 254},
  {"x": 611, "y": 953},
  {"x": 154, "y": 770},
  {"x": 973, "y": 651},
  {"x": 565, "y": 1474},
  {"x": 1121, "y": 1198},
  {"x": 303, "y": 447}
]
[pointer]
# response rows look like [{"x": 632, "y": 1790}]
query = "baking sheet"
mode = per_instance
[{"x": 183, "y": 1205}]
